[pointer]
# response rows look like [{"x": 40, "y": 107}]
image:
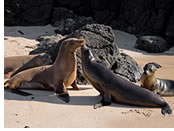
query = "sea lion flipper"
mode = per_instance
[
  {"x": 155, "y": 64},
  {"x": 106, "y": 101},
  {"x": 6, "y": 84},
  {"x": 166, "y": 109},
  {"x": 74, "y": 85},
  {"x": 62, "y": 93},
  {"x": 98, "y": 105}
]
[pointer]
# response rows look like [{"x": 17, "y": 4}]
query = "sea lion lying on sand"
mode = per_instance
[
  {"x": 16, "y": 64},
  {"x": 56, "y": 77},
  {"x": 148, "y": 80}
]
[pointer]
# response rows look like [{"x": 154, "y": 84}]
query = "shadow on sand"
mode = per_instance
[{"x": 49, "y": 97}]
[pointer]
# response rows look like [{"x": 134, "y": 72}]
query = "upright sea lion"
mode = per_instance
[
  {"x": 114, "y": 88},
  {"x": 15, "y": 64},
  {"x": 148, "y": 80},
  {"x": 57, "y": 76}
]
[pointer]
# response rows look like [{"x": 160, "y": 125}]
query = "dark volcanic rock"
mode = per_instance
[
  {"x": 80, "y": 7},
  {"x": 127, "y": 67},
  {"x": 46, "y": 42},
  {"x": 27, "y": 12},
  {"x": 170, "y": 30},
  {"x": 151, "y": 44},
  {"x": 100, "y": 40},
  {"x": 105, "y": 11},
  {"x": 67, "y": 21},
  {"x": 139, "y": 17}
]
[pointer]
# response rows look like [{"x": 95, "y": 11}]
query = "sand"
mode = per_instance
[{"x": 44, "y": 110}]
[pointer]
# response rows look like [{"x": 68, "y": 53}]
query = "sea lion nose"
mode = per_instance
[{"x": 145, "y": 72}]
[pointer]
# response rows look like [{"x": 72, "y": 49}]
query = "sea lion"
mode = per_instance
[
  {"x": 116, "y": 89},
  {"x": 15, "y": 64},
  {"x": 148, "y": 80},
  {"x": 55, "y": 77},
  {"x": 39, "y": 60}
]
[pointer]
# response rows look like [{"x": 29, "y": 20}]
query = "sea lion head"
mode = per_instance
[
  {"x": 73, "y": 44},
  {"x": 87, "y": 54},
  {"x": 151, "y": 68}
]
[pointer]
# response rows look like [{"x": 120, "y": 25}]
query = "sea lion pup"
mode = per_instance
[
  {"x": 15, "y": 64},
  {"x": 114, "y": 88},
  {"x": 148, "y": 80},
  {"x": 39, "y": 60},
  {"x": 57, "y": 76}
]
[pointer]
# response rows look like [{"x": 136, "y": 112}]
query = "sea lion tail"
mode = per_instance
[{"x": 166, "y": 109}]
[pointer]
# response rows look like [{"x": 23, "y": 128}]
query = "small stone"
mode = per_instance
[
  {"x": 26, "y": 127},
  {"x": 21, "y": 32},
  {"x": 32, "y": 97},
  {"x": 5, "y": 38}
]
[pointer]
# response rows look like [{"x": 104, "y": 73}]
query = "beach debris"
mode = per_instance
[
  {"x": 21, "y": 32},
  {"x": 32, "y": 97},
  {"x": 5, "y": 38},
  {"x": 26, "y": 127},
  {"x": 144, "y": 113},
  {"x": 30, "y": 47}
]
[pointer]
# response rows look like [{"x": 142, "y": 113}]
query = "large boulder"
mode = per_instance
[
  {"x": 66, "y": 21},
  {"x": 47, "y": 42},
  {"x": 100, "y": 40},
  {"x": 27, "y": 12},
  {"x": 151, "y": 44}
]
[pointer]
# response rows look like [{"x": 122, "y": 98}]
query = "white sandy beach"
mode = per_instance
[{"x": 46, "y": 111}]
